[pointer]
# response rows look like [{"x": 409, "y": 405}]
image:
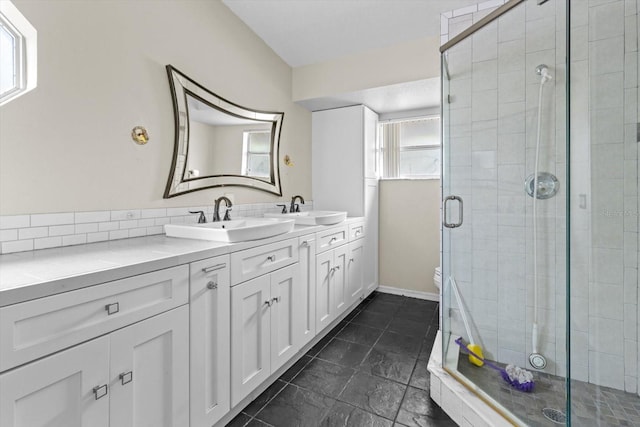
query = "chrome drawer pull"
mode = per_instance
[
  {"x": 271, "y": 258},
  {"x": 112, "y": 308},
  {"x": 358, "y": 232},
  {"x": 100, "y": 391},
  {"x": 212, "y": 285},
  {"x": 214, "y": 268},
  {"x": 337, "y": 267},
  {"x": 276, "y": 299},
  {"x": 351, "y": 260},
  {"x": 126, "y": 377},
  {"x": 305, "y": 243},
  {"x": 268, "y": 303},
  {"x": 333, "y": 239}
]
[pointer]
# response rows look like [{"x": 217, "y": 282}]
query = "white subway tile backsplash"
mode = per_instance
[
  {"x": 47, "y": 242},
  {"x": 149, "y": 222},
  {"x": 97, "y": 237},
  {"x": 14, "y": 221},
  {"x": 38, "y": 220},
  {"x": 96, "y": 216},
  {"x": 128, "y": 224},
  {"x": 8, "y": 235},
  {"x": 118, "y": 234},
  {"x": 61, "y": 230},
  {"x": 124, "y": 215},
  {"x": 18, "y": 233},
  {"x": 137, "y": 232},
  {"x": 17, "y": 246},
  {"x": 76, "y": 239},
  {"x": 153, "y": 213},
  {"x": 108, "y": 226},
  {"x": 86, "y": 228},
  {"x": 156, "y": 229},
  {"x": 33, "y": 232},
  {"x": 162, "y": 221}
]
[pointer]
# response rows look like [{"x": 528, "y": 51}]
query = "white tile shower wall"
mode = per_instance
[
  {"x": 612, "y": 39},
  {"x": 20, "y": 233},
  {"x": 493, "y": 114}
]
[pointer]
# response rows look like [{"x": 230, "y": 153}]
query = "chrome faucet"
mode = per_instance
[
  {"x": 216, "y": 209},
  {"x": 294, "y": 206},
  {"x": 201, "y": 218}
]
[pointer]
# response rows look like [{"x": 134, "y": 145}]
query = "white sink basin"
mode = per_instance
[
  {"x": 312, "y": 217},
  {"x": 237, "y": 230}
]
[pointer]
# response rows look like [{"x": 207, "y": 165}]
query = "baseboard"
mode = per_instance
[{"x": 409, "y": 293}]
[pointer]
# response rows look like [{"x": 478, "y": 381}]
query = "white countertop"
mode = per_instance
[{"x": 29, "y": 275}]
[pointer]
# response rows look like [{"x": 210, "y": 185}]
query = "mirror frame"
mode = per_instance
[{"x": 181, "y": 86}]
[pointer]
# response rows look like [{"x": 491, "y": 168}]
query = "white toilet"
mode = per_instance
[{"x": 437, "y": 277}]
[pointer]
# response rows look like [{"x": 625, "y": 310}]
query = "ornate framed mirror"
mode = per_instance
[{"x": 219, "y": 143}]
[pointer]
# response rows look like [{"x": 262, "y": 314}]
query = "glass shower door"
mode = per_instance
[{"x": 503, "y": 120}]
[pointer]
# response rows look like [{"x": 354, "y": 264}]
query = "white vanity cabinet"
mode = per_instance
[
  {"x": 265, "y": 328},
  {"x": 307, "y": 266},
  {"x": 345, "y": 173},
  {"x": 135, "y": 376},
  {"x": 112, "y": 354},
  {"x": 209, "y": 312}
]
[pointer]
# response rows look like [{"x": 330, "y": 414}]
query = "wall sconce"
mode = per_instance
[{"x": 140, "y": 135}]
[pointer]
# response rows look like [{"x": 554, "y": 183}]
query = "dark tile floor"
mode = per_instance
[{"x": 370, "y": 370}]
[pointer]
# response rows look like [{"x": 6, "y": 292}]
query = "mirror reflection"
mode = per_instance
[{"x": 219, "y": 143}]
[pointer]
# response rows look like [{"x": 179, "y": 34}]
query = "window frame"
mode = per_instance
[
  {"x": 247, "y": 154},
  {"x": 25, "y": 54},
  {"x": 426, "y": 147}
]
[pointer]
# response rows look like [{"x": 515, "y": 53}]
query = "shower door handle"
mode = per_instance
[{"x": 444, "y": 212}]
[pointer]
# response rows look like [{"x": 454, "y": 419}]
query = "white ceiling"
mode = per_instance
[{"x": 304, "y": 32}]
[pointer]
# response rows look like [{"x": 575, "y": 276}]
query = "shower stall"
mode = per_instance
[{"x": 540, "y": 216}]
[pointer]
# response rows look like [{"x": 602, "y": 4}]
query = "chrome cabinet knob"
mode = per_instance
[
  {"x": 100, "y": 391},
  {"x": 112, "y": 308},
  {"x": 126, "y": 377}
]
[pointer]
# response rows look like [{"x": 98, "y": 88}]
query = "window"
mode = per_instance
[
  {"x": 411, "y": 148},
  {"x": 18, "y": 53},
  {"x": 256, "y": 154}
]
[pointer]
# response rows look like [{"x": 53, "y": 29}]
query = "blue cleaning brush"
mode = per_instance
[{"x": 526, "y": 386}]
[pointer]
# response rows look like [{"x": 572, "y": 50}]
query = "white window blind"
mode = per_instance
[
  {"x": 411, "y": 148},
  {"x": 256, "y": 154}
]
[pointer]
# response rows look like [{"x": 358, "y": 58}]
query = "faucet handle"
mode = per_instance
[
  {"x": 201, "y": 218},
  {"x": 284, "y": 208}
]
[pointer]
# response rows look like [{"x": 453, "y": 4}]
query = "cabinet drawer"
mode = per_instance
[
  {"x": 356, "y": 231},
  {"x": 331, "y": 238},
  {"x": 36, "y": 328},
  {"x": 255, "y": 262}
]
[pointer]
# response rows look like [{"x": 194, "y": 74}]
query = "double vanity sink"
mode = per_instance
[{"x": 246, "y": 229}]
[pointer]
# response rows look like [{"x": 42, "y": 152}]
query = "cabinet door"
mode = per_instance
[
  {"x": 150, "y": 372},
  {"x": 286, "y": 316},
  {"x": 250, "y": 336},
  {"x": 57, "y": 391},
  {"x": 209, "y": 340},
  {"x": 324, "y": 294},
  {"x": 355, "y": 271},
  {"x": 307, "y": 256},
  {"x": 340, "y": 280}
]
